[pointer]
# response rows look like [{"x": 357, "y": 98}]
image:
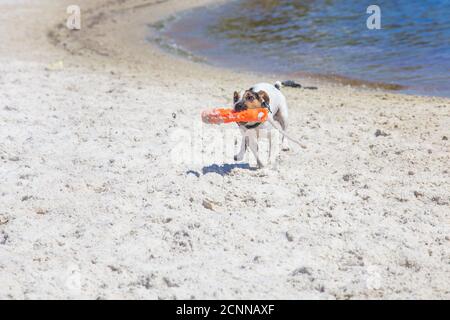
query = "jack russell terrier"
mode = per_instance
[{"x": 262, "y": 95}]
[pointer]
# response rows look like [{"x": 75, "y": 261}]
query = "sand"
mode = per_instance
[{"x": 105, "y": 192}]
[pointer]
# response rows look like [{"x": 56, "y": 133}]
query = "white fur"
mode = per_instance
[{"x": 279, "y": 108}]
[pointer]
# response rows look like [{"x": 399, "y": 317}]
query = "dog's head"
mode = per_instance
[{"x": 250, "y": 100}]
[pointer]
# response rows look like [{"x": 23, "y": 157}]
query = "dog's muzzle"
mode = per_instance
[{"x": 240, "y": 107}]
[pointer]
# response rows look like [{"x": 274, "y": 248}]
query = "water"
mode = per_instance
[{"x": 326, "y": 38}]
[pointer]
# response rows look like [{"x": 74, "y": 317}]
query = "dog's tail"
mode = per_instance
[
  {"x": 278, "y": 85},
  {"x": 272, "y": 122},
  {"x": 292, "y": 84}
]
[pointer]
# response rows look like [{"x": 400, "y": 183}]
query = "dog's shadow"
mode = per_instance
[{"x": 222, "y": 170}]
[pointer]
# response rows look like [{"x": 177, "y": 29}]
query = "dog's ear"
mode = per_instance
[
  {"x": 264, "y": 96},
  {"x": 236, "y": 97}
]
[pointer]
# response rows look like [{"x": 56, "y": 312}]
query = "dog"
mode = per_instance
[{"x": 262, "y": 95}]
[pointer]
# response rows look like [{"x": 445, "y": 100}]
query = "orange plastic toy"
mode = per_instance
[{"x": 218, "y": 116}]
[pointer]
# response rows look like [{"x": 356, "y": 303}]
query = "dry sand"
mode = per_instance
[{"x": 93, "y": 205}]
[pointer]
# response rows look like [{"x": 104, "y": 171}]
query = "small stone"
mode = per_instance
[
  {"x": 418, "y": 194},
  {"x": 170, "y": 283},
  {"x": 289, "y": 237},
  {"x": 3, "y": 238},
  {"x": 300, "y": 271},
  {"x": 320, "y": 288},
  {"x": 207, "y": 205},
  {"x": 114, "y": 269},
  {"x": 41, "y": 211},
  {"x": 26, "y": 198},
  {"x": 410, "y": 173},
  {"x": 379, "y": 133},
  {"x": 346, "y": 177},
  {"x": 445, "y": 138},
  {"x": 3, "y": 220},
  {"x": 14, "y": 159},
  {"x": 167, "y": 220},
  {"x": 439, "y": 201}
]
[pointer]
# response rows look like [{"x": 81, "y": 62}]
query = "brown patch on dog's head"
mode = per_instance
[
  {"x": 264, "y": 96},
  {"x": 250, "y": 100}
]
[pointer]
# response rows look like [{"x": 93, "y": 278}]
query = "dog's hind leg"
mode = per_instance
[{"x": 282, "y": 118}]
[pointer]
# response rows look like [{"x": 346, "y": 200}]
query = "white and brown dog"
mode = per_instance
[{"x": 262, "y": 95}]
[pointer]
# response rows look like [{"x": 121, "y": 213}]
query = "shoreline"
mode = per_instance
[
  {"x": 95, "y": 207},
  {"x": 174, "y": 35},
  {"x": 144, "y": 23},
  {"x": 168, "y": 41}
]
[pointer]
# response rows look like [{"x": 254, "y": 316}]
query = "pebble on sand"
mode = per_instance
[{"x": 208, "y": 205}]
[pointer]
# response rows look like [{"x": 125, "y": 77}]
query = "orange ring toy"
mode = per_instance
[{"x": 218, "y": 116}]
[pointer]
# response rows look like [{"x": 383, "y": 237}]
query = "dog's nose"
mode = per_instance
[{"x": 239, "y": 107}]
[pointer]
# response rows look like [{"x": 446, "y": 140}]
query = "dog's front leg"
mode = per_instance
[
  {"x": 244, "y": 144},
  {"x": 253, "y": 145}
]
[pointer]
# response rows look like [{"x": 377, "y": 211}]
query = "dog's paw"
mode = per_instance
[
  {"x": 285, "y": 147},
  {"x": 238, "y": 157},
  {"x": 265, "y": 172},
  {"x": 260, "y": 165}
]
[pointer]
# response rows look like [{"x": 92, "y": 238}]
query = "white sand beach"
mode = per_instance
[{"x": 95, "y": 204}]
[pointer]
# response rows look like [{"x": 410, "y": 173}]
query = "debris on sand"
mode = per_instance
[
  {"x": 439, "y": 201},
  {"x": 3, "y": 220},
  {"x": 41, "y": 211},
  {"x": 170, "y": 283},
  {"x": 380, "y": 133},
  {"x": 418, "y": 194},
  {"x": 348, "y": 177},
  {"x": 26, "y": 198},
  {"x": 289, "y": 237},
  {"x": 55, "y": 66},
  {"x": 207, "y": 204},
  {"x": 3, "y": 238},
  {"x": 300, "y": 271}
]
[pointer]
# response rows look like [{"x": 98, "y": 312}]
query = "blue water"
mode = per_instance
[{"x": 326, "y": 37}]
